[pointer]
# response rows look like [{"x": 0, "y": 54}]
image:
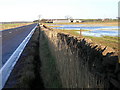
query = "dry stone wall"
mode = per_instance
[{"x": 82, "y": 64}]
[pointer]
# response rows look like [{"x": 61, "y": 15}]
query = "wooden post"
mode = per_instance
[{"x": 80, "y": 32}]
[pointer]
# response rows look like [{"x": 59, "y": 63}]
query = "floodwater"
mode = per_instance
[{"x": 96, "y": 30}]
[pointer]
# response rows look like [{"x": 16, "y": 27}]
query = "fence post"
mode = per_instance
[{"x": 80, "y": 32}]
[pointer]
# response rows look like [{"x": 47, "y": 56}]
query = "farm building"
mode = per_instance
[
  {"x": 61, "y": 21},
  {"x": 76, "y": 21}
]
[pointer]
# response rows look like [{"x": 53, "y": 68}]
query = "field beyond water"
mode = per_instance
[
  {"x": 110, "y": 41},
  {"x": 113, "y": 23},
  {"x": 12, "y": 25}
]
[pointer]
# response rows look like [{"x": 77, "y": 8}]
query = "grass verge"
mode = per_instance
[
  {"x": 26, "y": 73},
  {"x": 49, "y": 71}
]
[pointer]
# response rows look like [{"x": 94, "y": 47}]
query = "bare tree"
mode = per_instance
[{"x": 39, "y": 17}]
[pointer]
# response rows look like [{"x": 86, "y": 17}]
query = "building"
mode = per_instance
[
  {"x": 61, "y": 21},
  {"x": 106, "y": 19},
  {"x": 76, "y": 21}
]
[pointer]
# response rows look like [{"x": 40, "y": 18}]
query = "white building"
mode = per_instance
[
  {"x": 76, "y": 21},
  {"x": 61, "y": 21}
]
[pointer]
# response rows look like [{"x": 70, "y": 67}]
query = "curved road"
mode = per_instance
[{"x": 12, "y": 38}]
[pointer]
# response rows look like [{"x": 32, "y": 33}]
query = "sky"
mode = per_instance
[{"x": 29, "y": 10}]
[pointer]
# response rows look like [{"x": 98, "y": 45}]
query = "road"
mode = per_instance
[{"x": 12, "y": 38}]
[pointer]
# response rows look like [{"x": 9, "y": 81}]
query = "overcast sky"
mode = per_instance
[{"x": 28, "y": 10}]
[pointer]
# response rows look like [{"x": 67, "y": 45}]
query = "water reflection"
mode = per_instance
[
  {"x": 98, "y": 33},
  {"x": 94, "y": 30}
]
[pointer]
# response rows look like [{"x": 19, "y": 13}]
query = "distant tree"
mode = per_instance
[{"x": 39, "y": 17}]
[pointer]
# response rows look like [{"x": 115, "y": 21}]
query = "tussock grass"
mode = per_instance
[
  {"x": 27, "y": 79},
  {"x": 27, "y": 73}
]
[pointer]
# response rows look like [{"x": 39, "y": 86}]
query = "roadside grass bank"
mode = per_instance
[
  {"x": 49, "y": 70},
  {"x": 26, "y": 73},
  {"x": 9, "y": 26}
]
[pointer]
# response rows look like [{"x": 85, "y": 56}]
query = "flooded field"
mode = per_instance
[{"x": 96, "y": 30}]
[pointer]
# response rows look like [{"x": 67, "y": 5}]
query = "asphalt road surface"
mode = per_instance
[{"x": 12, "y": 38}]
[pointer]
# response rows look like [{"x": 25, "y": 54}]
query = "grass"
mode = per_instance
[
  {"x": 9, "y": 26},
  {"x": 106, "y": 41},
  {"x": 106, "y": 23},
  {"x": 72, "y": 32},
  {"x": 28, "y": 75},
  {"x": 49, "y": 71}
]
